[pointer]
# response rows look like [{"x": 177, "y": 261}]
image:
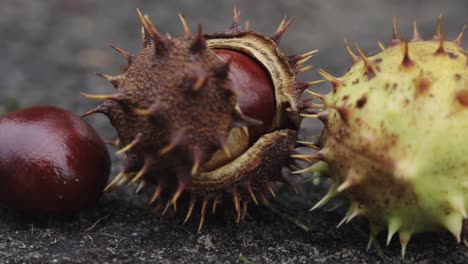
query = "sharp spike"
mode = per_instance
[
  {"x": 141, "y": 185},
  {"x": 187, "y": 33},
  {"x": 153, "y": 110},
  {"x": 369, "y": 71},
  {"x": 245, "y": 204},
  {"x": 200, "y": 80},
  {"x": 124, "y": 53},
  {"x": 179, "y": 191},
  {"x": 264, "y": 199},
  {"x": 317, "y": 95},
  {"x": 282, "y": 28},
  {"x": 404, "y": 239},
  {"x": 395, "y": 40},
  {"x": 95, "y": 110},
  {"x": 132, "y": 144},
  {"x": 248, "y": 187},
  {"x": 166, "y": 208},
  {"x": 371, "y": 241},
  {"x": 114, "y": 97},
  {"x": 176, "y": 139},
  {"x": 141, "y": 172},
  {"x": 145, "y": 33},
  {"x": 393, "y": 227},
  {"x": 309, "y": 144},
  {"x": 236, "y": 200},
  {"x": 216, "y": 201},
  {"x": 381, "y": 46},
  {"x": 347, "y": 217},
  {"x": 160, "y": 48},
  {"x": 332, "y": 79},
  {"x": 190, "y": 209},
  {"x": 454, "y": 223},
  {"x": 270, "y": 189},
  {"x": 438, "y": 34},
  {"x": 318, "y": 167},
  {"x": 199, "y": 44},
  {"x": 202, "y": 214},
  {"x": 114, "y": 182},
  {"x": 314, "y": 157},
  {"x": 301, "y": 86},
  {"x": 459, "y": 38},
  {"x": 458, "y": 205},
  {"x": 298, "y": 60},
  {"x": 115, "y": 143},
  {"x": 348, "y": 183},
  {"x": 441, "y": 49},
  {"x": 301, "y": 62},
  {"x": 114, "y": 80},
  {"x": 303, "y": 69},
  {"x": 247, "y": 25},
  {"x": 330, "y": 195},
  {"x": 353, "y": 56},
  {"x": 156, "y": 194},
  {"x": 224, "y": 146},
  {"x": 291, "y": 186},
  {"x": 407, "y": 62},
  {"x": 416, "y": 35},
  {"x": 235, "y": 19},
  {"x": 197, "y": 157}
]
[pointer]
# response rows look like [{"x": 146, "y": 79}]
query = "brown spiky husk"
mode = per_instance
[{"x": 174, "y": 109}]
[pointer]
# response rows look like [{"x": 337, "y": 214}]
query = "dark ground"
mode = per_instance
[{"x": 49, "y": 52}]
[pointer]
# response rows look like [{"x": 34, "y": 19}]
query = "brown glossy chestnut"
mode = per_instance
[
  {"x": 255, "y": 92},
  {"x": 51, "y": 161}
]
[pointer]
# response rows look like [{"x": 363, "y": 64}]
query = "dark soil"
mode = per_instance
[{"x": 49, "y": 51}]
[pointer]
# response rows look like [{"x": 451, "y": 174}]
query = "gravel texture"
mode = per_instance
[{"x": 49, "y": 52}]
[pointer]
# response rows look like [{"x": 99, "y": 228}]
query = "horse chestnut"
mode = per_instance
[
  {"x": 51, "y": 161},
  {"x": 255, "y": 91}
]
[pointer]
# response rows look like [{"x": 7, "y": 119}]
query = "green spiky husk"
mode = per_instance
[{"x": 395, "y": 139}]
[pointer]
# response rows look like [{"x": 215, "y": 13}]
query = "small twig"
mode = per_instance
[
  {"x": 107, "y": 235},
  {"x": 96, "y": 223}
]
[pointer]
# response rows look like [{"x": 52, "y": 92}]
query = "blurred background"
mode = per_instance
[{"x": 50, "y": 51}]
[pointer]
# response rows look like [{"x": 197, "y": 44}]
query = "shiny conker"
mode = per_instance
[
  {"x": 51, "y": 161},
  {"x": 255, "y": 92}
]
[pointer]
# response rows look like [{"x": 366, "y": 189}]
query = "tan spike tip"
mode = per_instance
[
  {"x": 132, "y": 144},
  {"x": 438, "y": 34},
  {"x": 203, "y": 213},
  {"x": 141, "y": 172},
  {"x": 282, "y": 28},
  {"x": 187, "y": 33},
  {"x": 459, "y": 38},
  {"x": 395, "y": 40},
  {"x": 381, "y": 46},
  {"x": 251, "y": 193},
  {"x": 416, "y": 35},
  {"x": 156, "y": 194},
  {"x": 190, "y": 209},
  {"x": 235, "y": 18},
  {"x": 353, "y": 56},
  {"x": 122, "y": 52},
  {"x": 115, "y": 97},
  {"x": 114, "y": 182},
  {"x": 176, "y": 139},
  {"x": 114, "y": 80},
  {"x": 369, "y": 71}
]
